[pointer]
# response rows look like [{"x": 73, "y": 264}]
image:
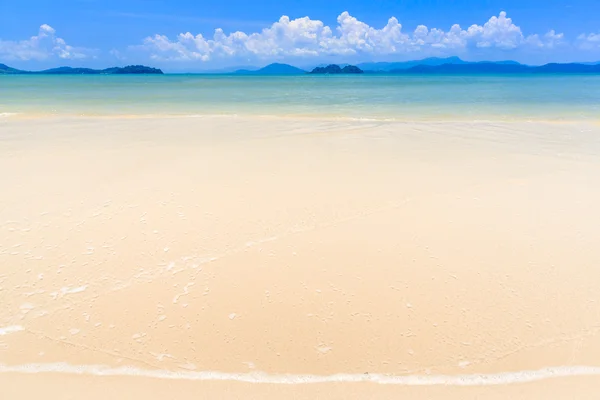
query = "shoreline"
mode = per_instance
[
  {"x": 16, "y": 116},
  {"x": 259, "y": 377},
  {"x": 96, "y": 388}
]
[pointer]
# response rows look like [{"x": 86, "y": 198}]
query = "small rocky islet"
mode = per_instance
[{"x": 336, "y": 69}]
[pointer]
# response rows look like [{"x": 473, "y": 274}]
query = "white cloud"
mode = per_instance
[
  {"x": 549, "y": 41},
  {"x": 589, "y": 42},
  {"x": 44, "y": 46},
  {"x": 497, "y": 32},
  {"x": 357, "y": 37},
  {"x": 305, "y": 37},
  {"x": 116, "y": 54}
]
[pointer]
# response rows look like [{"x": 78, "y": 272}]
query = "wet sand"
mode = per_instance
[{"x": 277, "y": 249}]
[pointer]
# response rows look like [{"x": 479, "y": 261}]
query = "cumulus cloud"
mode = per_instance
[
  {"x": 305, "y": 37},
  {"x": 497, "y": 32},
  {"x": 589, "y": 42},
  {"x": 550, "y": 40},
  {"x": 44, "y": 45}
]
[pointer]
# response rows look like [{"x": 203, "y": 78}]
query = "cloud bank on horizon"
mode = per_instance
[
  {"x": 310, "y": 40},
  {"x": 304, "y": 37}
]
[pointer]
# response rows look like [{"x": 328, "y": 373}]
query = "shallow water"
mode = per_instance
[{"x": 367, "y": 96}]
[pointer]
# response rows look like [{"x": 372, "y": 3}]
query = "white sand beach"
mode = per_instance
[{"x": 262, "y": 257}]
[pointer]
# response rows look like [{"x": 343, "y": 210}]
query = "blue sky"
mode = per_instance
[{"x": 180, "y": 35}]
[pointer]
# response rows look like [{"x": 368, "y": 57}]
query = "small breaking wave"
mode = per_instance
[{"x": 502, "y": 378}]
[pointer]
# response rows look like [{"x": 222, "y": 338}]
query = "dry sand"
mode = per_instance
[{"x": 428, "y": 256}]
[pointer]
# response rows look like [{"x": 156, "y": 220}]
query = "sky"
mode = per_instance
[{"x": 198, "y": 35}]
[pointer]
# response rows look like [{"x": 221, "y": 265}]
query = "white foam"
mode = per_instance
[
  {"x": 79, "y": 289},
  {"x": 188, "y": 366},
  {"x": 26, "y": 307},
  {"x": 161, "y": 357},
  {"x": 502, "y": 378},
  {"x": 324, "y": 349},
  {"x": 10, "y": 329},
  {"x": 186, "y": 291},
  {"x": 29, "y": 294}
]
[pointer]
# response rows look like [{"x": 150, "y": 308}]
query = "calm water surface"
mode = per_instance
[{"x": 364, "y": 96}]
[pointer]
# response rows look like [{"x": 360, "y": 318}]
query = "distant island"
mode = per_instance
[
  {"x": 273, "y": 69},
  {"x": 286, "y": 69},
  {"x": 497, "y": 68},
  {"x": 336, "y": 69},
  {"x": 455, "y": 65},
  {"x": 130, "y": 69},
  {"x": 431, "y": 61},
  {"x": 432, "y": 65}
]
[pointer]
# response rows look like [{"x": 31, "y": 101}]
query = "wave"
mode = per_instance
[{"x": 502, "y": 378}]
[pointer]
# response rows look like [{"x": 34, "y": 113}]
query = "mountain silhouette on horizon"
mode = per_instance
[
  {"x": 432, "y": 65},
  {"x": 369, "y": 67},
  {"x": 273, "y": 69},
  {"x": 431, "y": 61},
  {"x": 497, "y": 68},
  {"x": 130, "y": 69}
]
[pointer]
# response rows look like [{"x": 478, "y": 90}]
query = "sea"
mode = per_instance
[{"x": 386, "y": 97}]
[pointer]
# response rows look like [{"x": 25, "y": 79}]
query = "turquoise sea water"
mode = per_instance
[{"x": 364, "y": 96}]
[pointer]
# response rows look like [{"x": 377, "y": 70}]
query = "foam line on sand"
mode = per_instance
[{"x": 502, "y": 378}]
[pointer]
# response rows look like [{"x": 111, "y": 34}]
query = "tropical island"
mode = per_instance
[
  {"x": 130, "y": 69},
  {"x": 432, "y": 65},
  {"x": 336, "y": 69},
  {"x": 272, "y": 69},
  {"x": 427, "y": 66}
]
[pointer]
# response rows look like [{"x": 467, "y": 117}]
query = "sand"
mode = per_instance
[{"x": 431, "y": 259}]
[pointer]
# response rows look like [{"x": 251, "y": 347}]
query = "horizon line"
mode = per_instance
[{"x": 234, "y": 69}]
